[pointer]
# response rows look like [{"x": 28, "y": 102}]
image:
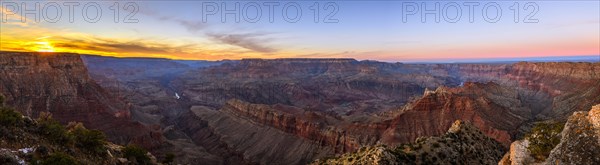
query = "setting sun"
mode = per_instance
[{"x": 44, "y": 47}]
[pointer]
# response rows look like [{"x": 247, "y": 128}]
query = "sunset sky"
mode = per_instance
[{"x": 364, "y": 30}]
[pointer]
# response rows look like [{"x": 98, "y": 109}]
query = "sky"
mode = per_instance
[{"x": 403, "y": 31}]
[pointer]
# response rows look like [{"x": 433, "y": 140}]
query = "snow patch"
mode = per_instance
[{"x": 26, "y": 150}]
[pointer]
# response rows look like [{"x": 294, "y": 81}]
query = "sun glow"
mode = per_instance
[{"x": 44, "y": 47}]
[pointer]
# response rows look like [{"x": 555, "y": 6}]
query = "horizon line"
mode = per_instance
[{"x": 560, "y": 58}]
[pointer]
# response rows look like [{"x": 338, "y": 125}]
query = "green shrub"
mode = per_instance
[
  {"x": 8, "y": 159},
  {"x": 136, "y": 154},
  {"x": 53, "y": 130},
  {"x": 543, "y": 138},
  {"x": 59, "y": 159},
  {"x": 351, "y": 159},
  {"x": 9, "y": 117},
  {"x": 90, "y": 140},
  {"x": 1, "y": 100},
  {"x": 169, "y": 158}
]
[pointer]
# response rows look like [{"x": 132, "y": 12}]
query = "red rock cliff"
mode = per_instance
[{"x": 59, "y": 83}]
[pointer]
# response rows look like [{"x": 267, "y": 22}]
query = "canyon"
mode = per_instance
[{"x": 291, "y": 111}]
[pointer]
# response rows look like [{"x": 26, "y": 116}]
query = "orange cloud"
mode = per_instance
[{"x": 36, "y": 38}]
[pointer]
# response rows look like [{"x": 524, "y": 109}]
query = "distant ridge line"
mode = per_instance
[
  {"x": 582, "y": 58},
  {"x": 297, "y": 59}
]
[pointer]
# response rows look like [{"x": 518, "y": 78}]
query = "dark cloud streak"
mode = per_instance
[
  {"x": 251, "y": 41},
  {"x": 106, "y": 45}
]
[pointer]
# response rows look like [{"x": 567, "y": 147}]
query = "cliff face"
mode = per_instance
[
  {"x": 59, "y": 84},
  {"x": 498, "y": 111},
  {"x": 240, "y": 141},
  {"x": 552, "y": 78},
  {"x": 580, "y": 71},
  {"x": 573, "y": 86},
  {"x": 327, "y": 131},
  {"x": 27, "y": 78},
  {"x": 555, "y": 78}
]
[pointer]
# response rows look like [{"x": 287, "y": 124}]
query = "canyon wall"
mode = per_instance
[
  {"x": 240, "y": 141},
  {"x": 58, "y": 83}
]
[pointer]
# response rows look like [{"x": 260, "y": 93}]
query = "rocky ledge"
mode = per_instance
[
  {"x": 579, "y": 143},
  {"x": 463, "y": 143}
]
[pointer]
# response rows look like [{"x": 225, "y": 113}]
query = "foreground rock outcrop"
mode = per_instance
[
  {"x": 462, "y": 144},
  {"x": 579, "y": 143},
  {"x": 45, "y": 141},
  {"x": 518, "y": 154}
]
